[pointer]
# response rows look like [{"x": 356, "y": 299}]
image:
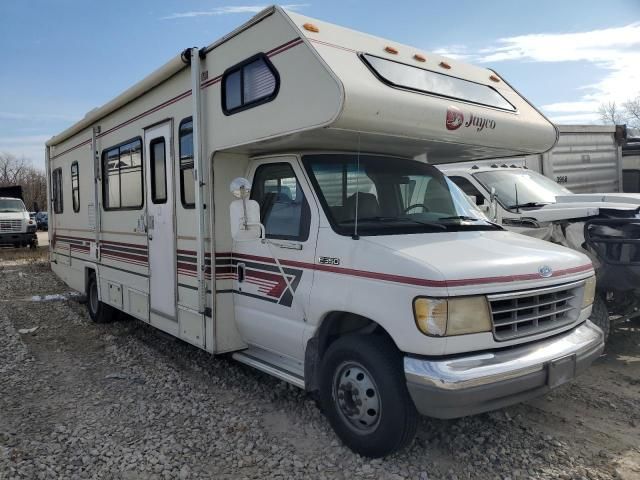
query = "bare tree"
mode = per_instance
[
  {"x": 18, "y": 171},
  {"x": 632, "y": 111},
  {"x": 610, "y": 113}
]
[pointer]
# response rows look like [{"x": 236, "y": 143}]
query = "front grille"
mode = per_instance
[
  {"x": 524, "y": 313},
  {"x": 7, "y": 226}
]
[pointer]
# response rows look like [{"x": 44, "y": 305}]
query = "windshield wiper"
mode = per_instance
[
  {"x": 528, "y": 204},
  {"x": 460, "y": 217},
  {"x": 400, "y": 219}
]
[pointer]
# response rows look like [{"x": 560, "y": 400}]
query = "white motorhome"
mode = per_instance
[{"x": 335, "y": 275}]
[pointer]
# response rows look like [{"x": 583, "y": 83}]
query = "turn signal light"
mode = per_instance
[
  {"x": 311, "y": 27},
  {"x": 391, "y": 50}
]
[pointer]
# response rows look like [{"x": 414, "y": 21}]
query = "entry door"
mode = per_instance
[
  {"x": 160, "y": 220},
  {"x": 266, "y": 312}
]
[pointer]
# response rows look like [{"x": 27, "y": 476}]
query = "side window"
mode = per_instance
[
  {"x": 248, "y": 84},
  {"x": 468, "y": 188},
  {"x": 122, "y": 176},
  {"x": 75, "y": 186},
  {"x": 158, "y": 170},
  {"x": 284, "y": 210},
  {"x": 187, "y": 186},
  {"x": 56, "y": 190}
]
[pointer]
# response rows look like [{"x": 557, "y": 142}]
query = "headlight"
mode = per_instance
[
  {"x": 589, "y": 291},
  {"x": 439, "y": 317}
]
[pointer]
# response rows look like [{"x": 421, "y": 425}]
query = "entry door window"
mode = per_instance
[
  {"x": 284, "y": 210},
  {"x": 158, "y": 171}
]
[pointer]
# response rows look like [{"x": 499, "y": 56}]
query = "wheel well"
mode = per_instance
[
  {"x": 335, "y": 325},
  {"x": 88, "y": 273}
]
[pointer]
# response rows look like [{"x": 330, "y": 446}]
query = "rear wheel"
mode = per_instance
[
  {"x": 98, "y": 311},
  {"x": 364, "y": 395},
  {"x": 600, "y": 316}
]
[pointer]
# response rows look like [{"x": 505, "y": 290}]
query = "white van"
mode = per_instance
[{"x": 343, "y": 262}]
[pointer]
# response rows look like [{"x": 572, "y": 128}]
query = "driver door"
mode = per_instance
[{"x": 268, "y": 315}]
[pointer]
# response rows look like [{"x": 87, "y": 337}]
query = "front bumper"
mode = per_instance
[
  {"x": 480, "y": 382},
  {"x": 18, "y": 237}
]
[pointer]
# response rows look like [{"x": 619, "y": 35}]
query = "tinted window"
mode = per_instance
[
  {"x": 414, "y": 78},
  {"x": 158, "y": 171},
  {"x": 468, "y": 188},
  {"x": 56, "y": 190},
  {"x": 284, "y": 211},
  {"x": 122, "y": 176},
  {"x": 187, "y": 186},
  {"x": 75, "y": 187},
  {"x": 248, "y": 84}
]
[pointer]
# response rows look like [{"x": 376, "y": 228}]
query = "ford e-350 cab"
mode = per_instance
[{"x": 341, "y": 261}]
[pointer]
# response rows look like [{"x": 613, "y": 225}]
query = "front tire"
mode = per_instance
[
  {"x": 98, "y": 311},
  {"x": 600, "y": 316},
  {"x": 364, "y": 395}
]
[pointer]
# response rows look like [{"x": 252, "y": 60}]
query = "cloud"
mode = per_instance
[
  {"x": 27, "y": 146},
  {"x": 615, "y": 51},
  {"x": 230, "y": 9},
  {"x": 37, "y": 117}
]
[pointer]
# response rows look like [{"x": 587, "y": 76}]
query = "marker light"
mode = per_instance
[
  {"x": 311, "y": 27},
  {"x": 439, "y": 317},
  {"x": 589, "y": 291},
  {"x": 494, "y": 78},
  {"x": 419, "y": 58},
  {"x": 445, "y": 65},
  {"x": 390, "y": 50}
]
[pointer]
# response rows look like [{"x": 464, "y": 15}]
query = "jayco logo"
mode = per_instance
[{"x": 455, "y": 120}]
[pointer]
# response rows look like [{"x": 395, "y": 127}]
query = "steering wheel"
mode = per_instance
[{"x": 416, "y": 205}]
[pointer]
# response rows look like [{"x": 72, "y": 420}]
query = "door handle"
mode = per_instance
[
  {"x": 240, "y": 271},
  {"x": 288, "y": 245}
]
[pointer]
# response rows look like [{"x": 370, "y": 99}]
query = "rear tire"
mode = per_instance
[
  {"x": 98, "y": 311},
  {"x": 600, "y": 316},
  {"x": 364, "y": 395}
]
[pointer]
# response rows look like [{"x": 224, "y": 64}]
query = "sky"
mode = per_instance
[{"x": 62, "y": 58}]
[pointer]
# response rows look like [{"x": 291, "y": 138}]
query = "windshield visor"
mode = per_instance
[{"x": 389, "y": 196}]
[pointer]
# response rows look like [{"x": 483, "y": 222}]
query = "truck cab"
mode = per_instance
[
  {"x": 17, "y": 228},
  {"x": 374, "y": 273}
]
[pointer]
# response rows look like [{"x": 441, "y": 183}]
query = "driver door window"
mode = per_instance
[{"x": 284, "y": 210}]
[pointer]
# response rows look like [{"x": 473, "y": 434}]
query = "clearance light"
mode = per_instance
[
  {"x": 310, "y": 27},
  {"x": 445, "y": 65},
  {"x": 419, "y": 58},
  {"x": 439, "y": 317},
  {"x": 494, "y": 78},
  {"x": 390, "y": 50},
  {"x": 589, "y": 292}
]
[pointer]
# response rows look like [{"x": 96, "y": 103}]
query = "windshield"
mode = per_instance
[
  {"x": 391, "y": 196},
  {"x": 11, "y": 205},
  {"x": 532, "y": 188}
]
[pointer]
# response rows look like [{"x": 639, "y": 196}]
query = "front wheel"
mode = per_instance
[
  {"x": 600, "y": 316},
  {"x": 98, "y": 311},
  {"x": 364, "y": 394}
]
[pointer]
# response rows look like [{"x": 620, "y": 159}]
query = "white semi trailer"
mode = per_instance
[{"x": 326, "y": 273}]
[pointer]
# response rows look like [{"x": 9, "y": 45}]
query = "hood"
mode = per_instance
[
  {"x": 14, "y": 216},
  {"x": 617, "y": 198},
  {"x": 575, "y": 208},
  {"x": 488, "y": 261}
]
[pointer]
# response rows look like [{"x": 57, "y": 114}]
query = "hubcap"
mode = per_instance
[
  {"x": 93, "y": 297},
  {"x": 356, "y": 394}
]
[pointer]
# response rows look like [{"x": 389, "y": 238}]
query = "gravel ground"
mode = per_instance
[{"x": 122, "y": 400}]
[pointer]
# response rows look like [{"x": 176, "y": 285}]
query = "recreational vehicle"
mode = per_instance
[{"x": 270, "y": 196}]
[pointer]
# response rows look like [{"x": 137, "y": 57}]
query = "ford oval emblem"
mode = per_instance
[{"x": 545, "y": 271}]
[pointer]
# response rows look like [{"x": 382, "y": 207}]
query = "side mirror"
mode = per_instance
[
  {"x": 494, "y": 209},
  {"x": 244, "y": 213}
]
